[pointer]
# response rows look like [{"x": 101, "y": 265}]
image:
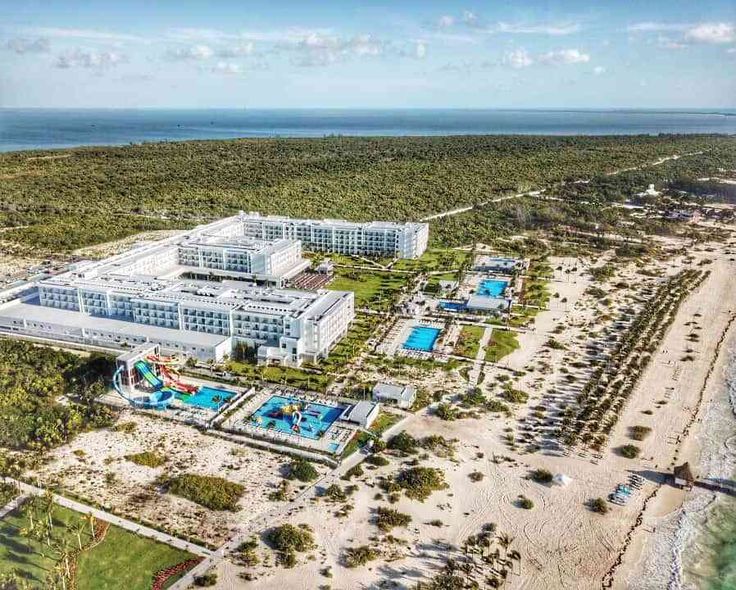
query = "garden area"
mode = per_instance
[
  {"x": 373, "y": 289},
  {"x": 501, "y": 344},
  {"x": 468, "y": 342},
  {"x": 45, "y": 545}
]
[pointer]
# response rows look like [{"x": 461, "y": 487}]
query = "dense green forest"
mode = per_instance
[
  {"x": 32, "y": 379},
  {"x": 63, "y": 199}
]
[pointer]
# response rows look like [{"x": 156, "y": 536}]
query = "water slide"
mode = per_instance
[
  {"x": 296, "y": 419},
  {"x": 149, "y": 375},
  {"x": 158, "y": 399},
  {"x": 167, "y": 366}
]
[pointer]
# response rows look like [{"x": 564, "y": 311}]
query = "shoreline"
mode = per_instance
[{"x": 639, "y": 554}]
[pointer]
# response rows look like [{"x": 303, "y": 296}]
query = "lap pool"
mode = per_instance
[
  {"x": 491, "y": 287},
  {"x": 292, "y": 415},
  {"x": 422, "y": 338}
]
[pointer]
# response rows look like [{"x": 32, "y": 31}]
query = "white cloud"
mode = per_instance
[
  {"x": 731, "y": 50},
  {"x": 420, "y": 50},
  {"x": 86, "y": 34},
  {"x": 648, "y": 27},
  {"x": 319, "y": 49},
  {"x": 518, "y": 58},
  {"x": 191, "y": 53},
  {"x": 91, "y": 59},
  {"x": 563, "y": 57},
  {"x": 445, "y": 21},
  {"x": 598, "y": 70},
  {"x": 227, "y": 68},
  {"x": 666, "y": 43},
  {"x": 537, "y": 29},
  {"x": 237, "y": 50},
  {"x": 712, "y": 33},
  {"x": 22, "y": 45}
]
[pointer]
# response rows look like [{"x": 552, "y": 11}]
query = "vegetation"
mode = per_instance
[
  {"x": 525, "y": 503},
  {"x": 209, "y": 491},
  {"x": 403, "y": 442},
  {"x": 357, "y": 556},
  {"x": 541, "y": 476},
  {"x": 302, "y": 470},
  {"x": 501, "y": 344},
  {"x": 147, "y": 459},
  {"x": 419, "y": 482},
  {"x": 288, "y": 537},
  {"x": 469, "y": 341},
  {"x": 388, "y": 518},
  {"x": 599, "y": 505},
  {"x": 178, "y": 184},
  {"x": 32, "y": 378},
  {"x": 629, "y": 451},
  {"x": 639, "y": 432}
]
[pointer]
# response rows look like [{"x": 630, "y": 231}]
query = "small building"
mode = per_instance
[
  {"x": 326, "y": 267},
  {"x": 483, "y": 303},
  {"x": 499, "y": 264},
  {"x": 402, "y": 396},
  {"x": 362, "y": 413},
  {"x": 446, "y": 286},
  {"x": 683, "y": 476}
]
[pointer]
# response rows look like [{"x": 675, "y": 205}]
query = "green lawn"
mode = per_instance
[
  {"x": 434, "y": 259},
  {"x": 122, "y": 561},
  {"x": 469, "y": 341},
  {"x": 502, "y": 343},
  {"x": 374, "y": 289},
  {"x": 384, "y": 421}
]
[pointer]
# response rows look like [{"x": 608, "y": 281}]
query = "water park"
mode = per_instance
[
  {"x": 288, "y": 414},
  {"x": 147, "y": 380}
]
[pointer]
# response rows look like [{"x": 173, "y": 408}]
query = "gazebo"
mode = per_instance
[{"x": 683, "y": 476}]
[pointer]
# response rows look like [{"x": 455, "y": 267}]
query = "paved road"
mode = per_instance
[{"x": 128, "y": 525}]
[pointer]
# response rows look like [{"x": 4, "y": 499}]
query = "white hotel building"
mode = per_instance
[{"x": 374, "y": 238}]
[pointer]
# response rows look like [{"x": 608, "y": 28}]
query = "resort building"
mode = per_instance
[
  {"x": 362, "y": 413},
  {"x": 375, "y": 238},
  {"x": 498, "y": 264},
  {"x": 154, "y": 294},
  {"x": 402, "y": 396}
]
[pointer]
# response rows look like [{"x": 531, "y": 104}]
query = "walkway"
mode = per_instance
[
  {"x": 474, "y": 374},
  {"x": 12, "y": 505},
  {"x": 128, "y": 525}
]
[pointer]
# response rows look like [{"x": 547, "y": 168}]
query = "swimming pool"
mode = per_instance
[
  {"x": 453, "y": 306},
  {"x": 211, "y": 398},
  {"x": 491, "y": 287},
  {"x": 422, "y": 338},
  {"x": 292, "y": 415}
]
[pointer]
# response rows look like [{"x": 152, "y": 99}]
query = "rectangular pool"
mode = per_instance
[
  {"x": 453, "y": 306},
  {"x": 295, "y": 416},
  {"x": 211, "y": 398},
  {"x": 422, "y": 338},
  {"x": 491, "y": 287}
]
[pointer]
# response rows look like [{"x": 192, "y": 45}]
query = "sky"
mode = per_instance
[{"x": 368, "y": 54}]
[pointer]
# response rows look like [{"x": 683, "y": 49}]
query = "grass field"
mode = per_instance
[
  {"x": 384, "y": 421},
  {"x": 502, "y": 343},
  {"x": 469, "y": 341},
  {"x": 122, "y": 561},
  {"x": 375, "y": 290},
  {"x": 435, "y": 259}
]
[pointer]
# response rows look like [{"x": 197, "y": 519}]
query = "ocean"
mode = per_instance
[{"x": 27, "y": 129}]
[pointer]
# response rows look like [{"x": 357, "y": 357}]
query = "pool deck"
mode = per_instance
[{"x": 393, "y": 343}]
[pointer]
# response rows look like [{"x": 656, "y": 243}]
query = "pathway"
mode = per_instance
[
  {"x": 123, "y": 523},
  {"x": 12, "y": 505},
  {"x": 474, "y": 375}
]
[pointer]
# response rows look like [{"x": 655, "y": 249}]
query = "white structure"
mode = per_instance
[
  {"x": 499, "y": 264},
  {"x": 375, "y": 238},
  {"x": 362, "y": 413},
  {"x": 483, "y": 303},
  {"x": 145, "y": 296},
  {"x": 402, "y": 396}
]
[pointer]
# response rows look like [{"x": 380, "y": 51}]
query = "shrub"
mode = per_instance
[
  {"x": 525, "y": 503},
  {"x": 302, "y": 470},
  {"x": 354, "y": 471},
  {"x": 378, "y": 460},
  {"x": 287, "y": 537},
  {"x": 541, "y": 476},
  {"x": 419, "y": 482},
  {"x": 357, "y": 556},
  {"x": 403, "y": 442},
  {"x": 388, "y": 518},
  {"x": 147, "y": 459},
  {"x": 335, "y": 493},
  {"x": 211, "y": 492},
  {"x": 208, "y": 579},
  {"x": 639, "y": 432},
  {"x": 629, "y": 451},
  {"x": 476, "y": 476},
  {"x": 445, "y": 412},
  {"x": 515, "y": 396},
  {"x": 599, "y": 505}
]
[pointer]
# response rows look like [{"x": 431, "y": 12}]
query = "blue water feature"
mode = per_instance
[
  {"x": 452, "y": 306},
  {"x": 211, "y": 398},
  {"x": 492, "y": 287},
  {"x": 283, "y": 414},
  {"x": 422, "y": 338}
]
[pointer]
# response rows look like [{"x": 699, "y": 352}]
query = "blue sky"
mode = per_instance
[{"x": 350, "y": 54}]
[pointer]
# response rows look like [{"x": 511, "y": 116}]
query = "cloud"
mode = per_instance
[
  {"x": 563, "y": 57},
  {"x": 598, "y": 70},
  {"x": 474, "y": 22},
  {"x": 445, "y": 21},
  {"x": 518, "y": 58},
  {"x": 649, "y": 26},
  {"x": 537, "y": 29},
  {"x": 667, "y": 43},
  {"x": 237, "y": 50},
  {"x": 226, "y": 68},
  {"x": 712, "y": 33},
  {"x": 90, "y": 59},
  {"x": 22, "y": 45},
  {"x": 319, "y": 49},
  {"x": 420, "y": 50},
  {"x": 191, "y": 53},
  {"x": 86, "y": 34}
]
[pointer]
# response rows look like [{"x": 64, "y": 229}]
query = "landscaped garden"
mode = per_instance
[
  {"x": 49, "y": 546},
  {"x": 501, "y": 344}
]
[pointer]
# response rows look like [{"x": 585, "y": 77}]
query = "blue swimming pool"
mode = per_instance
[
  {"x": 422, "y": 338},
  {"x": 211, "y": 398},
  {"x": 491, "y": 287},
  {"x": 452, "y": 306},
  {"x": 292, "y": 415}
]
